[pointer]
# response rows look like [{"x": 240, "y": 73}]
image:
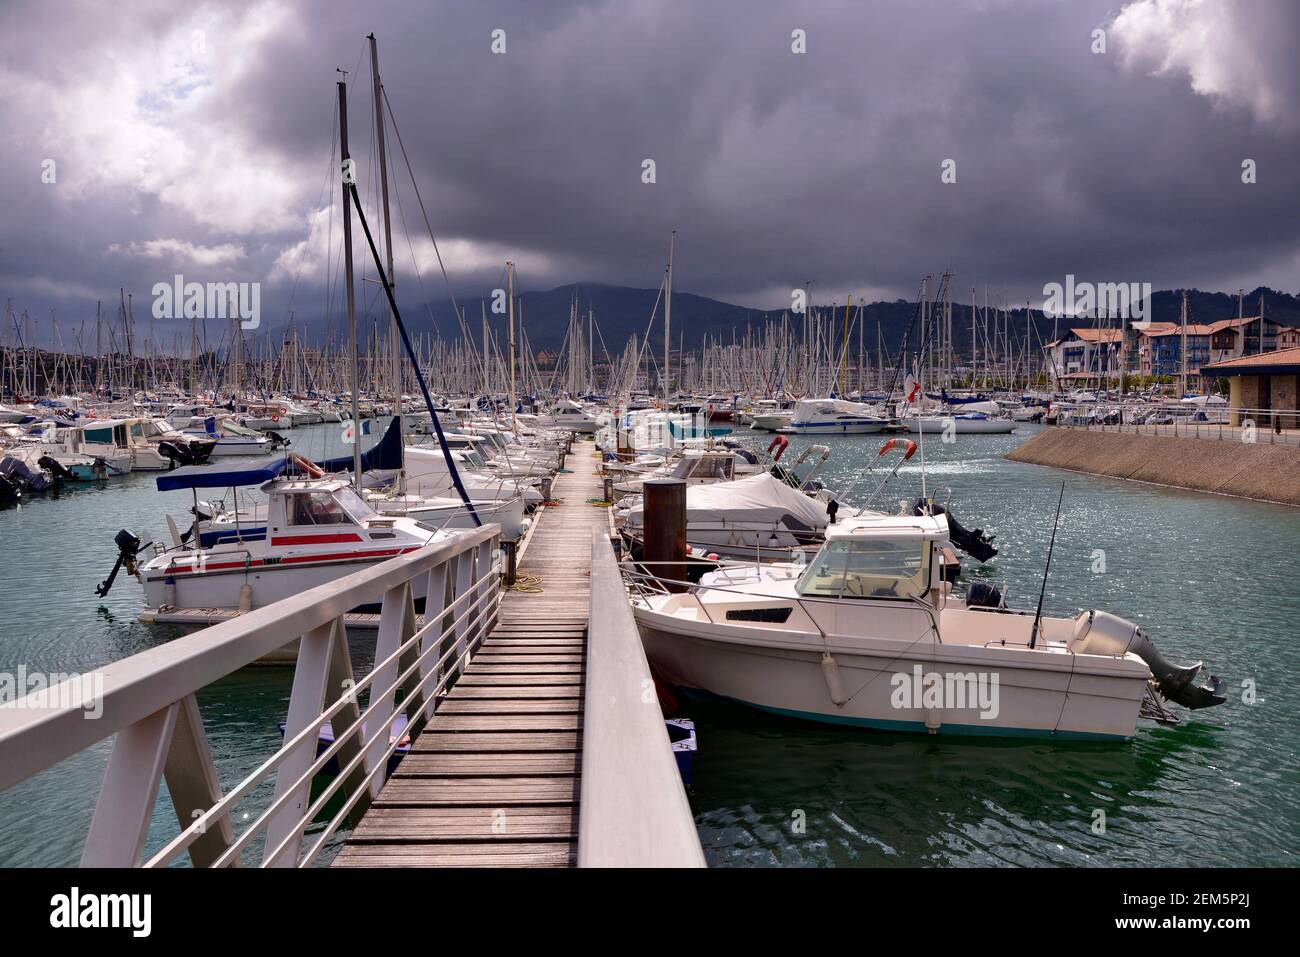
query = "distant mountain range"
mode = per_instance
[{"x": 621, "y": 311}]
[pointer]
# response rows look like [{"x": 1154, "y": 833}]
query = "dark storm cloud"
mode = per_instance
[{"x": 774, "y": 167}]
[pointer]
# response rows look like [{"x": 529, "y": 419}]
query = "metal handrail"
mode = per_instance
[
  {"x": 635, "y": 812},
  {"x": 647, "y": 583},
  {"x": 140, "y": 690},
  {"x": 363, "y": 752},
  {"x": 312, "y": 731}
]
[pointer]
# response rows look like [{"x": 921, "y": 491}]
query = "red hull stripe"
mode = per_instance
[
  {"x": 295, "y": 560},
  {"x": 315, "y": 539}
]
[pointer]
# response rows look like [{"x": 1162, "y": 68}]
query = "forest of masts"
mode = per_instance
[{"x": 825, "y": 350}]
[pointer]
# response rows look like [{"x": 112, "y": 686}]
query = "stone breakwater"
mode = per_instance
[{"x": 1266, "y": 473}]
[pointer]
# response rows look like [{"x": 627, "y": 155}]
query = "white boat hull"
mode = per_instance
[
  {"x": 783, "y": 672},
  {"x": 840, "y": 427},
  {"x": 771, "y": 422},
  {"x": 930, "y": 424},
  {"x": 220, "y": 583}
]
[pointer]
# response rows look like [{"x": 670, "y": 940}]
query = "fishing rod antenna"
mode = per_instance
[{"x": 1038, "y": 615}]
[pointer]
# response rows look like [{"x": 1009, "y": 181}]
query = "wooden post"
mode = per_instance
[
  {"x": 512, "y": 562},
  {"x": 665, "y": 529}
]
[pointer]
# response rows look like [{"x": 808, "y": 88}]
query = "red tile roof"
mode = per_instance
[
  {"x": 1099, "y": 335},
  {"x": 1287, "y": 358}
]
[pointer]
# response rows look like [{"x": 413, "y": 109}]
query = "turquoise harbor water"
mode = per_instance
[{"x": 1207, "y": 577}]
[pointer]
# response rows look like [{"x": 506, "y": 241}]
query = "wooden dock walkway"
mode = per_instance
[{"x": 494, "y": 779}]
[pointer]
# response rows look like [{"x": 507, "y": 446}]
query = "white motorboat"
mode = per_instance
[
  {"x": 976, "y": 418},
  {"x": 870, "y": 635},
  {"x": 310, "y": 531},
  {"x": 230, "y": 437},
  {"x": 84, "y": 460},
  {"x": 962, "y": 423},
  {"x": 697, "y": 467},
  {"x": 568, "y": 414},
  {"x": 834, "y": 417},
  {"x": 427, "y": 474},
  {"x": 152, "y": 444}
]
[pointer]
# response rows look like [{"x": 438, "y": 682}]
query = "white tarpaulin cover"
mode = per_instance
[{"x": 760, "y": 498}]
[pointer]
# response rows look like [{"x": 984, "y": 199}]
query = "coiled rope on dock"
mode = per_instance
[{"x": 528, "y": 583}]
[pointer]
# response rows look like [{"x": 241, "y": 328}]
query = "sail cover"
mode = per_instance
[
  {"x": 384, "y": 454},
  {"x": 251, "y": 472},
  {"x": 760, "y": 498}
]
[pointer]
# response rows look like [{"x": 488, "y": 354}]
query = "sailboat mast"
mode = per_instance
[
  {"x": 668, "y": 313},
  {"x": 345, "y": 179},
  {"x": 510, "y": 299},
  {"x": 388, "y": 243}
]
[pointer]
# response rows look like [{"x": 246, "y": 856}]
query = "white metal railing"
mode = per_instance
[
  {"x": 148, "y": 701},
  {"x": 634, "y": 810},
  {"x": 1225, "y": 423}
]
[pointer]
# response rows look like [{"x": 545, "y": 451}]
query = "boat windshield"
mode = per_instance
[
  {"x": 869, "y": 568},
  {"x": 705, "y": 467},
  {"x": 340, "y": 507},
  {"x": 360, "y": 510}
]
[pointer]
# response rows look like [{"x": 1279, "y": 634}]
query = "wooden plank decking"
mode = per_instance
[{"x": 493, "y": 780}]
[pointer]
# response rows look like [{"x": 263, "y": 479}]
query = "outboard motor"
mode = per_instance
[
  {"x": 1101, "y": 633},
  {"x": 176, "y": 453},
  {"x": 200, "y": 449},
  {"x": 983, "y": 595},
  {"x": 128, "y": 547},
  {"x": 975, "y": 544},
  {"x": 55, "y": 468},
  {"x": 11, "y": 493}
]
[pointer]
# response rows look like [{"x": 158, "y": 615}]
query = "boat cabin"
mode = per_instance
[
  {"x": 710, "y": 466},
  {"x": 878, "y": 557}
]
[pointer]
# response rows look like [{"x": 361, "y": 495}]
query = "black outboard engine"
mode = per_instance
[
  {"x": 1101, "y": 633},
  {"x": 11, "y": 493},
  {"x": 24, "y": 477},
  {"x": 975, "y": 544},
  {"x": 128, "y": 547},
  {"x": 55, "y": 468},
  {"x": 176, "y": 453},
  {"x": 200, "y": 449},
  {"x": 983, "y": 595}
]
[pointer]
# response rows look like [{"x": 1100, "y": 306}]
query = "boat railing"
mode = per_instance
[
  {"x": 148, "y": 704},
  {"x": 1220, "y": 422},
  {"x": 644, "y": 584}
]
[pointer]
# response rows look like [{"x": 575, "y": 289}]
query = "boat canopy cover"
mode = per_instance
[
  {"x": 384, "y": 454},
  {"x": 252, "y": 472},
  {"x": 943, "y": 396},
  {"x": 758, "y": 498}
]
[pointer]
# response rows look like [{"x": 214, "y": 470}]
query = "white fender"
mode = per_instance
[{"x": 834, "y": 683}]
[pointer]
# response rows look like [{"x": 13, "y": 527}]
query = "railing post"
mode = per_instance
[
  {"x": 193, "y": 783},
  {"x": 396, "y": 626},
  {"x": 311, "y": 679},
  {"x": 486, "y": 559},
  {"x": 418, "y": 709},
  {"x": 464, "y": 572},
  {"x": 129, "y": 792}
]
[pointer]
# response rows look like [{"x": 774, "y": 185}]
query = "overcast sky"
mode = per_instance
[{"x": 197, "y": 139}]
